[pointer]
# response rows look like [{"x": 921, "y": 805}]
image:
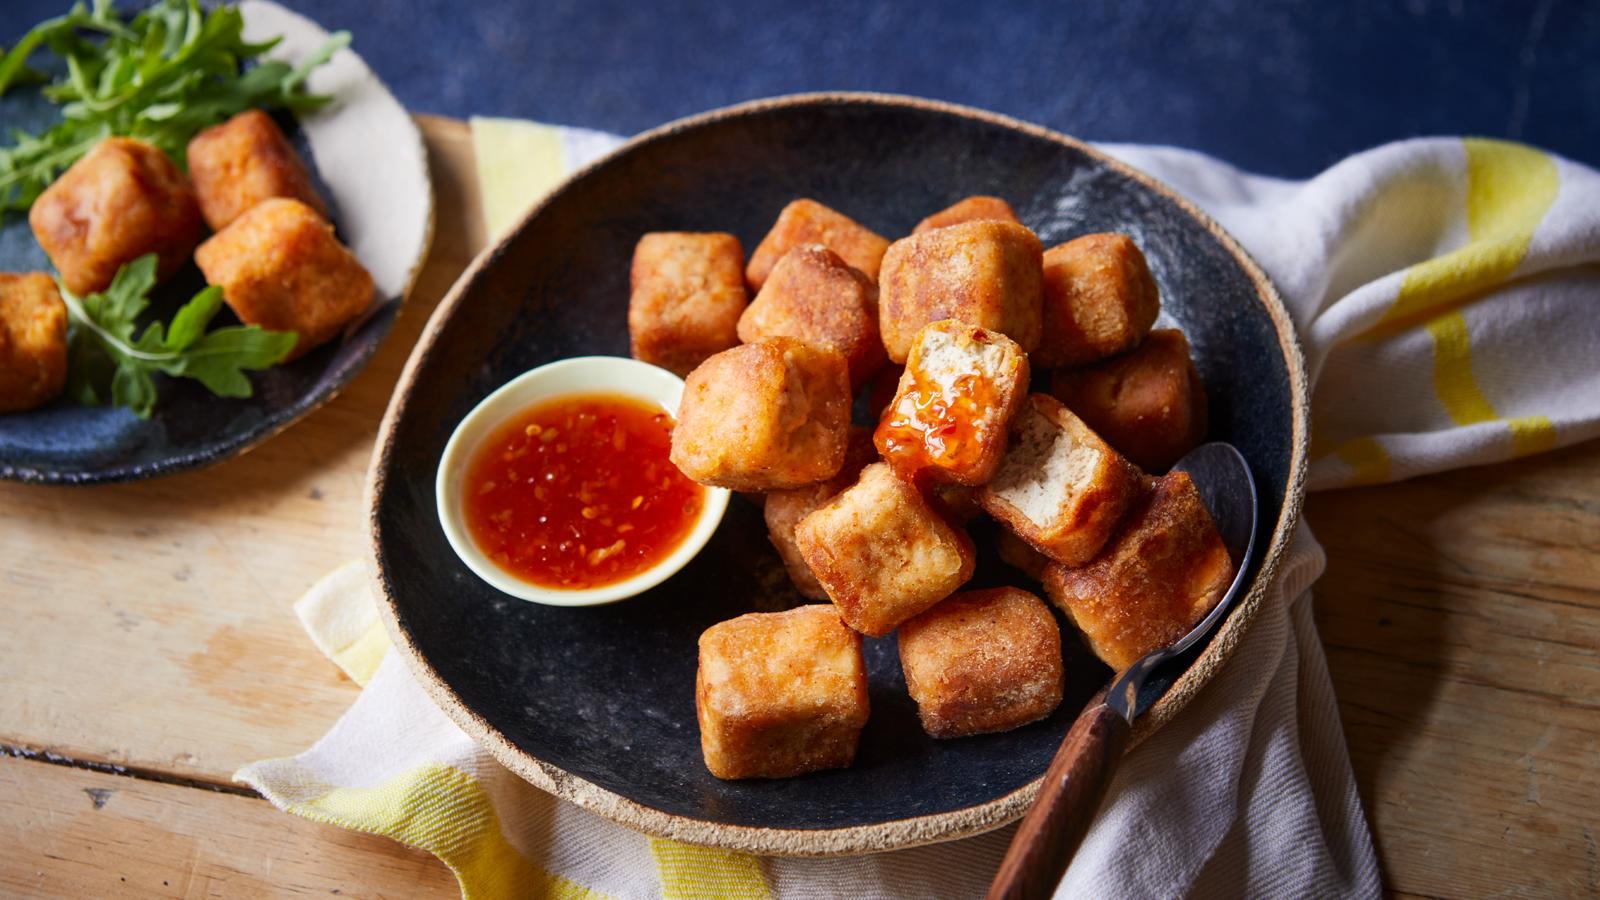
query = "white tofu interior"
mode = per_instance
[
  {"x": 1044, "y": 468},
  {"x": 944, "y": 356}
]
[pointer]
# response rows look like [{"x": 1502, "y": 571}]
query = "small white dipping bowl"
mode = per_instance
[{"x": 580, "y": 375}]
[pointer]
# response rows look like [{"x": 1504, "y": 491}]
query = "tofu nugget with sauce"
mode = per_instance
[
  {"x": 784, "y": 510},
  {"x": 982, "y": 661},
  {"x": 947, "y": 422},
  {"x": 33, "y": 341},
  {"x": 123, "y": 199},
  {"x": 1155, "y": 580},
  {"x": 882, "y": 552},
  {"x": 972, "y": 209},
  {"x": 986, "y": 274},
  {"x": 809, "y": 222},
  {"x": 814, "y": 295},
  {"x": 1149, "y": 403},
  {"x": 780, "y": 694},
  {"x": 686, "y": 299},
  {"x": 1099, "y": 299},
  {"x": 1060, "y": 487},
  {"x": 243, "y": 161},
  {"x": 764, "y": 416},
  {"x": 280, "y": 267}
]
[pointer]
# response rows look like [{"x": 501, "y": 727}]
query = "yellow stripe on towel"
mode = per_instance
[
  {"x": 446, "y": 812},
  {"x": 518, "y": 162},
  {"x": 706, "y": 873},
  {"x": 1368, "y": 461}
]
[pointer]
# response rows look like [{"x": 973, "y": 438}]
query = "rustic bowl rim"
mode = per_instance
[{"x": 880, "y": 836}]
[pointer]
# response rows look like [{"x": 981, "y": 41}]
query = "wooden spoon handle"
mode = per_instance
[{"x": 1068, "y": 799}]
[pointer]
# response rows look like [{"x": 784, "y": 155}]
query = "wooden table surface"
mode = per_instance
[{"x": 148, "y": 648}]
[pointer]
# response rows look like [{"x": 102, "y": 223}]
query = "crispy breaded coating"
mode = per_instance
[
  {"x": 784, "y": 510},
  {"x": 33, "y": 341},
  {"x": 1155, "y": 580},
  {"x": 986, "y": 274},
  {"x": 688, "y": 293},
  {"x": 1060, "y": 487},
  {"x": 982, "y": 661},
  {"x": 806, "y": 221},
  {"x": 281, "y": 267},
  {"x": 882, "y": 553},
  {"x": 1099, "y": 299},
  {"x": 814, "y": 295},
  {"x": 764, "y": 416},
  {"x": 961, "y": 386},
  {"x": 780, "y": 694},
  {"x": 123, "y": 199},
  {"x": 243, "y": 161},
  {"x": 973, "y": 209},
  {"x": 1149, "y": 403}
]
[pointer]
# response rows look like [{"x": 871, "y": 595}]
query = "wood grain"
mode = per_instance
[{"x": 149, "y": 625}]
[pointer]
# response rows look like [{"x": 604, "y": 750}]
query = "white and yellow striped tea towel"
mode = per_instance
[{"x": 1448, "y": 295}]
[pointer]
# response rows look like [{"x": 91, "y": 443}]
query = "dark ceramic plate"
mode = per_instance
[
  {"x": 597, "y": 704},
  {"x": 64, "y": 443}
]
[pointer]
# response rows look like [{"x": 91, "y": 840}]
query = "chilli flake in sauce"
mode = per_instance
[{"x": 577, "y": 492}]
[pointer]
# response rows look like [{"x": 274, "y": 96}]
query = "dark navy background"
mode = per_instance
[{"x": 1279, "y": 87}]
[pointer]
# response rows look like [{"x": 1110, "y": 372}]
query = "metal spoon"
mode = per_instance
[{"x": 1077, "y": 778}]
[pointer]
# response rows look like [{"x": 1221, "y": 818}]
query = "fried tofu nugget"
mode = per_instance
[
  {"x": 780, "y": 694},
  {"x": 243, "y": 161},
  {"x": 1155, "y": 580},
  {"x": 764, "y": 416},
  {"x": 1019, "y": 554},
  {"x": 961, "y": 386},
  {"x": 688, "y": 293},
  {"x": 1060, "y": 487},
  {"x": 784, "y": 510},
  {"x": 1099, "y": 299},
  {"x": 809, "y": 222},
  {"x": 814, "y": 295},
  {"x": 882, "y": 553},
  {"x": 281, "y": 267},
  {"x": 33, "y": 341},
  {"x": 986, "y": 274},
  {"x": 982, "y": 661},
  {"x": 123, "y": 199},
  {"x": 1149, "y": 403},
  {"x": 973, "y": 209}
]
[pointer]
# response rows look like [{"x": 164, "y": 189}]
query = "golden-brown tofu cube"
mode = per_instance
[
  {"x": 972, "y": 209},
  {"x": 1155, "y": 580},
  {"x": 809, "y": 222},
  {"x": 688, "y": 294},
  {"x": 780, "y": 694},
  {"x": 33, "y": 341},
  {"x": 281, "y": 267},
  {"x": 785, "y": 509},
  {"x": 986, "y": 274},
  {"x": 1060, "y": 487},
  {"x": 982, "y": 661},
  {"x": 1149, "y": 403},
  {"x": 123, "y": 199},
  {"x": 813, "y": 295},
  {"x": 1019, "y": 554},
  {"x": 1099, "y": 299},
  {"x": 882, "y": 553},
  {"x": 948, "y": 420},
  {"x": 243, "y": 161},
  {"x": 764, "y": 417}
]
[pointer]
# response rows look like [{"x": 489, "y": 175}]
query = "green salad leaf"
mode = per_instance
[
  {"x": 104, "y": 348},
  {"x": 162, "y": 77}
]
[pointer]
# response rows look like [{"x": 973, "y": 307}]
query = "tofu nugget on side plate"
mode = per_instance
[
  {"x": 1157, "y": 578},
  {"x": 764, "y": 416},
  {"x": 686, "y": 299},
  {"x": 813, "y": 295},
  {"x": 33, "y": 341},
  {"x": 982, "y": 661},
  {"x": 809, "y": 222},
  {"x": 243, "y": 161},
  {"x": 780, "y": 694},
  {"x": 882, "y": 553}
]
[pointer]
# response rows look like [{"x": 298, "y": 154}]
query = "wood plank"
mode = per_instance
[
  {"x": 75, "y": 833},
  {"x": 150, "y": 624},
  {"x": 1461, "y": 615}
]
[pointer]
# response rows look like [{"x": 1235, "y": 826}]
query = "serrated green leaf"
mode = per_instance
[
  {"x": 133, "y": 387},
  {"x": 191, "y": 321}
]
